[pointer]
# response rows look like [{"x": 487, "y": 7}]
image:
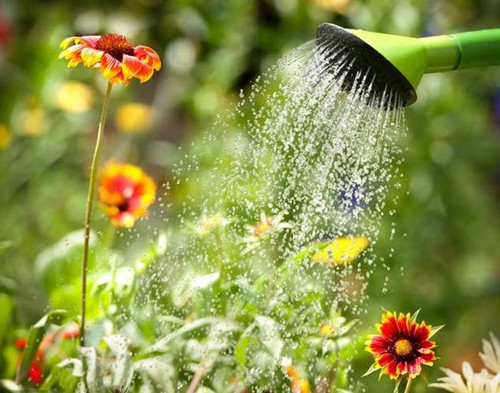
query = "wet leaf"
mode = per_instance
[
  {"x": 93, "y": 370},
  {"x": 37, "y": 331}
]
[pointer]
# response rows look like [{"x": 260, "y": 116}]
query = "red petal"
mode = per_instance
[
  {"x": 133, "y": 67},
  {"x": 426, "y": 344},
  {"x": 385, "y": 359},
  {"x": 389, "y": 328},
  {"x": 379, "y": 344},
  {"x": 392, "y": 369},
  {"x": 427, "y": 357},
  {"x": 422, "y": 332},
  {"x": 110, "y": 67},
  {"x": 89, "y": 40},
  {"x": 403, "y": 324}
]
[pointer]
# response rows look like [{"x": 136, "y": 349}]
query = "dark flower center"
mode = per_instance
[
  {"x": 116, "y": 45},
  {"x": 124, "y": 206},
  {"x": 403, "y": 347}
]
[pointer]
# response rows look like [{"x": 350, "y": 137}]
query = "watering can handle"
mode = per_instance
[{"x": 477, "y": 48}]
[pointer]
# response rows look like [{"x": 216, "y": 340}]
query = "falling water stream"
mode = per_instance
[{"x": 298, "y": 161}]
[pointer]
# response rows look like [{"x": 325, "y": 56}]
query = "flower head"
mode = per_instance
[
  {"x": 485, "y": 381},
  {"x": 118, "y": 60},
  {"x": 298, "y": 384},
  {"x": 126, "y": 192},
  {"x": 402, "y": 346},
  {"x": 266, "y": 226},
  {"x": 341, "y": 250}
]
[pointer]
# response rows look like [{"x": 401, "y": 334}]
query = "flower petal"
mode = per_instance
[
  {"x": 133, "y": 67},
  {"x": 148, "y": 56},
  {"x": 110, "y": 67},
  {"x": 88, "y": 40},
  {"x": 91, "y": 56}
]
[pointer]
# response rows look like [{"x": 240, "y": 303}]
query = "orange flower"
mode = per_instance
[
  {"x": 118, "y": 59},
  {"x": 126, "y": 192},
  {"x": 298, "y": 384},
  {"x": 402, "y": 346}
]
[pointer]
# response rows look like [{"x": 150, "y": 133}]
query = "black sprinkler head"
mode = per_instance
[{"x": 335, "y": 42}]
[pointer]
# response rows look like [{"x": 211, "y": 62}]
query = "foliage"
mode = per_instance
[{"x": 442, "y": 256}]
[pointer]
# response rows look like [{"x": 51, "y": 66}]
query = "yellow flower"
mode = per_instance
[
  {"x": 74, "y": 97},
  {"x": 134, "y": 118},
  {"x": 5, "y": 137},
  {"x": 341, "y": 250},
  {"x": 33, "y": 122},
  {"x": 326, "y": 329}
]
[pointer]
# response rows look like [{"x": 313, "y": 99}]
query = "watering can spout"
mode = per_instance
[{"x": 400, "y": 62}]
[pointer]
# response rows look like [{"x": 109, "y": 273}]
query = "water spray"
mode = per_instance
[{"x": 398, "y": 63}]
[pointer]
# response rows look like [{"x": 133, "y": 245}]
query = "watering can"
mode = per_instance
[{"x": 400, "y": 62}]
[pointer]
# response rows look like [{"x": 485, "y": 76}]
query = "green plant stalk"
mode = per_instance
[
  {"x": 408, "y": 385},
  {"x": 88, "y": 212}
]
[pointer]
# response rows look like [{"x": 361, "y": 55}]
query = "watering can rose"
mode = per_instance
[
  {"x": 126, "y": 193},
  {"x": 402, "y": 346},
  {"x": 119, "y": 61}
]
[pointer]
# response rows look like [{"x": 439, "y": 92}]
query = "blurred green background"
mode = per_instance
[{"x": 445, "y": 257}]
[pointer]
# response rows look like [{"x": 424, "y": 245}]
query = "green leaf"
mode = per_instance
[
  {"x": 37, "y": 331},
  {"x": 121, "y": 367},
  {"x": 396, "y": 385},
  {"x": 270, "y": 335},
  {"x": 93, "y": 370},
  {"x": 7, "y": 286},
  {"x": 371, "y": 370},
  {"x": 6, "y": 305},
  {"x": 436, "y": 329},
  {"x": 10, "y": 386},
  {"x": 163, "y": 345},
  {"x": 158, "y": 370},
  {"x": 415, "y": 315},
  {"x": 5, "y": 245},
  {"x": 240, "y": 351}
]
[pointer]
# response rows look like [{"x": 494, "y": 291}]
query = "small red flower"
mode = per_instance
[
  {"x": 35, "y": 372},
  {"x": 402, "y": 346},
  {"x": 126, "y": 193},
  {"x": 119, "y": 61}
]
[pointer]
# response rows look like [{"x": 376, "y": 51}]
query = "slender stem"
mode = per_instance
[
  {"x": 198, "y": 375},
  {"x": 90, "y": 203},
  {"x": 408, "y": 385}
]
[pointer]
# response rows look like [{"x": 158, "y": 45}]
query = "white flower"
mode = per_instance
[
  {"x": 264, "y": 228},
  {"x": 491, "y": 354},
  {"x": 470, "y": 381}
]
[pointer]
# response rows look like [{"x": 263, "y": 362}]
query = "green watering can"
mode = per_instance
[{"x": 400, "y": 62}]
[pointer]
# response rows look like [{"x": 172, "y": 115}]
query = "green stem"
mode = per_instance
[
  {"x": 90, "y": 203},
  {"x": 408, "y": 385}
]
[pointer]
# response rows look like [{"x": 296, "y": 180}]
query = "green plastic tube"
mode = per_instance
[{"x": 478, "y": 48}]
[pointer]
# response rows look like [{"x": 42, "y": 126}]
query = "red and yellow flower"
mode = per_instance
[
  {"x": 402, "y": 346},
  {"x": 126, "y": 193},
  {"x": 118, "y": 60}
]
